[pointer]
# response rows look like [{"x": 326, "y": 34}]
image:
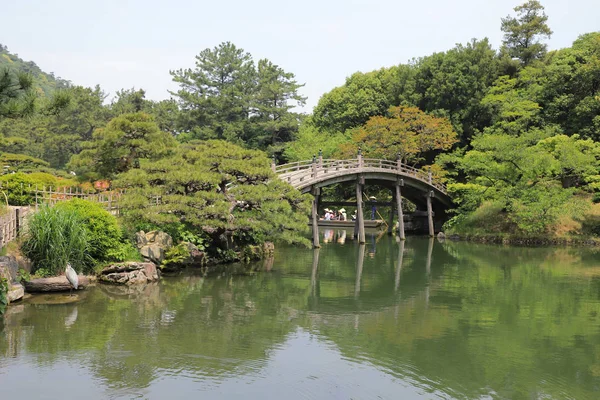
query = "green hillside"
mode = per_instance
[{"x": 43, "y": 81}]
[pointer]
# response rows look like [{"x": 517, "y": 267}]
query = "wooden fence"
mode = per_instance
[
  {"x": 109, "y": 200},
  {"x": 11, "y": 224}
]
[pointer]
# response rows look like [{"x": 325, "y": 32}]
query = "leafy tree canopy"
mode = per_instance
[
  {"x": 407, "y": 132},
  {"x": 522, "y": 34},
  {"x": 218, "y": 190},
  {"x": 121, "y": 145}
]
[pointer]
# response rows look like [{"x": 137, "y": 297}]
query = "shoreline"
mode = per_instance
[{"x": 525, "y": 241}]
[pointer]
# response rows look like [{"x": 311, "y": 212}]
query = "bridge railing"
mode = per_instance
[{"x": 307, "y": 170}]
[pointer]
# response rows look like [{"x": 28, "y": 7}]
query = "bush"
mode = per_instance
[
  {"x": 54, "y": 237},
  {"x": 20, "y": 187},
  {"x": 103, "y": 231},
  {"x": 175, "y": 256}
]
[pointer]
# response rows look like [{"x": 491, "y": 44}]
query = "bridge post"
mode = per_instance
[
  {"x": 360, "y": 158},
  {"x": 401, "y": 234},
  {"x": 314, "y": 166},
  {"x": 315, "y": 218},
  {"x": 320, "y": 158},
  {"x": 429, "y": 176},
  {"x": 430, "y": 214},
  {"x": 390, "y": 228},
  {"x": 359, "y": 268},
  {"x": 399, "y": 162},
  {"x": 273, "y": 163},
  {"x": 359, "y": 210}
]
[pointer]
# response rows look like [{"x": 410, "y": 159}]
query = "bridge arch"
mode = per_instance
[{"x": 414, "y": 184}]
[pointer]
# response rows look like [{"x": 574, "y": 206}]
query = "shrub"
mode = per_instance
[
  {"x": 103, "y": 231},
  {"x": 176, "y": 255},
  {"x": 20, "y": 187},
  {"x": 54, "y": 237}
]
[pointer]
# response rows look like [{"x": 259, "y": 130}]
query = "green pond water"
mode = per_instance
[{"x": 386, "y": 320}]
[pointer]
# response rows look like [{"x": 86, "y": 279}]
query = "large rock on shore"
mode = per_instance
[
  {"x": 55, "y": 284},
  {"x": 129, "y": 273},
  {"x": 15, "y": 292},
  {"x": 8, "y": 271},
  {"x": 9, "y": 268},
  {"x": 152, "y": 245}
]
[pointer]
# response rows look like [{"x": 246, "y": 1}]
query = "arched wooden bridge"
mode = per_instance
[{"x": 416, "y": 185}]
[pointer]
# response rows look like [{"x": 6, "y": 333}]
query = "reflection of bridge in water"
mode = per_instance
[
  {"x": 363, "y": 250},
  {"x": 413, "y": 184}
]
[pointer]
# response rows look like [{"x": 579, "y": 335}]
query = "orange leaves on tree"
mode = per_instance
[{"x": 406, "y": 131}]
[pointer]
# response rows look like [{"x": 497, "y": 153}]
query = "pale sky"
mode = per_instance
[{"x": 134, "y": 43}]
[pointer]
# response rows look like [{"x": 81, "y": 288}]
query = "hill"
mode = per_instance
[{"x": 45, "y": 82}]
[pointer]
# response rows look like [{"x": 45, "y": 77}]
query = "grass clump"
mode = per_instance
[
  {"x": 76, "y": 231},
  {"x": 54, "y": 237}
]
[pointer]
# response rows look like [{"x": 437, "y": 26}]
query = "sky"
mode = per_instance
[{"x": 135, "y": 43}]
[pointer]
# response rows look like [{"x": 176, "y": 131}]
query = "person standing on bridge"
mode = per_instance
[{"x": 373, "y": 207}]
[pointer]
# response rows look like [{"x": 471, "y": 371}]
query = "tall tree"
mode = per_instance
[
  {"x": 216, "y": 96},
  {"x": 17, "y": 97},
  {"x": 362, "y": 96},
  {"x": 121, "y": 145},
  {"x": 571, "y": 89},
  {"x": 219, "y": 190},
  {"x": 276, "y": 95},
  {"x": 130, "y": 101},
  {"x": 522, "y": 33}
]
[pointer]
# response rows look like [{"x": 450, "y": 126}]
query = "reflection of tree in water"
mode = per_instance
[
  {"x": 460, "y": 318},
  {"x": 485, "y": 331}
]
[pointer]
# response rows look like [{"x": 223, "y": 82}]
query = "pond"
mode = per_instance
[{"x": 420, "y": 319}]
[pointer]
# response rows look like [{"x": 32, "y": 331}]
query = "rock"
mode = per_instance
[
  {"x": 140, "y": 239},
  {"x": 151, "y": 236},
  {"x": 154, "y": 253},
  {"x": 129, "y": 273},
  {"x": 196, "y": 256},
  {"x": 152, "y": 245},
  {"x": 55, "y": 284},
  {"x": 15, "y": 292},
  {"x": 163, "y": 239},
  {"x": 441, "y": 235},
  {"x": 9, "y": 268},
  {"x": 268, "y": 249}
]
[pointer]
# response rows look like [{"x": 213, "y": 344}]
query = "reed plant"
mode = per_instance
[{"x": 54, "y": 237}]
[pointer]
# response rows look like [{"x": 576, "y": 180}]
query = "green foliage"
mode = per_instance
[
  {"x": 54, "y": 237},
  {"x": 17, "y": 97},
  {"x": 216, "y": 190},
  {"x": 522, "y": 34},
  {"x": 20, "y": 163},
  {"x": 361, "y": 97},
  {"x": 23, "y": 276},
  {"x": 175, "y": 256},
  {"x": 103, "y": 233},
  {"x": 120, "y": 146},
  {"x": 3, "y": 294},
  {"x": 309, "y": 141},
  {"x": 531, "y": 178},
  {"x": 449, "y": 84},
  {"x": 43, "y": 273},
  {"x": 226, "y": 97},
  {"x": 407, "y": 132},
  {"x": 20, "y": 187},
  {"x": 47, "y": 83}
]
